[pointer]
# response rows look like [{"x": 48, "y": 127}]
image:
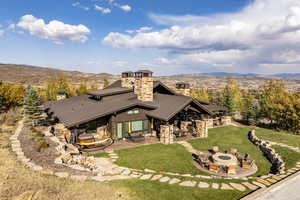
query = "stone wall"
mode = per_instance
[
  {"x": 269, "y": 152},
  {"x": 226, "y": 120},
  {"x": 166, "y": 134},
  {"x": 209, "y": 123},
  {"x": 102, "y": 132},
  {"x": 144, "y": 88}
]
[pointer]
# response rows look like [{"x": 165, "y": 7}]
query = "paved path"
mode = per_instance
[{"x": 287, "y": 191}]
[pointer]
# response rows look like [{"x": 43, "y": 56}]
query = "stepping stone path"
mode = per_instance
[
  {"x": 146, "y": 177},
  {"x": 263, "y": 181},
  {"x": 174, "y": 180},
  {"x": 188, "y": 147},
  {"x": 203, "y": 185},
  {"x": 215, "y": 186},
  {"x": 164, "y": 179},
  {"x": 188, "y": 183},
  {"x": 225, "y": 186},
  {"x": 259, "y": 184},
  {"x": 156, "y": 177},
  {"x": 238, "y": 186},
  {"x": 250, "y": 186},
  {"x": 79, "y": 177}
]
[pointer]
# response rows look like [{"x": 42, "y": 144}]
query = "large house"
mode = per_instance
[{"x": 134, "y": 104}]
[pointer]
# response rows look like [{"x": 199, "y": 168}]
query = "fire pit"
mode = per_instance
[{"x": 223, "y": 159}]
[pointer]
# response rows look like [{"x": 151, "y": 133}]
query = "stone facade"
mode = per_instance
[
  {"x": 201, "y": 129},
  {"x": 184, "y": 125},
  {"x": 209, "y": 123},
  {"x": 144, "y": 88},
  {"x": 102, "y": 132},
  {"x": 127, "y": 82},
  {"x": 166, "y": 134},
  {"x": 185, "y": 92}
]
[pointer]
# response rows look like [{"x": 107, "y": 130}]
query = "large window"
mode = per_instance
[
  {"x": 132, "y": 112},
  {"x": 137, "y": 126}
]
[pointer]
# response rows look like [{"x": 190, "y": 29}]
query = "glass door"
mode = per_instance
[{"x": 119, "y": 130}]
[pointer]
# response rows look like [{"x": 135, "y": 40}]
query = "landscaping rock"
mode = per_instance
[
  {"x": 188, "y": 183},
  {"x": 61, "y": 174},
  {"x": 225, "y": 186},
  {"x": 146, "y": 177},
  {"x": 174, "y": 181},
  {"x": 47, "y": 172},
  {"x": 79, "y": 177},
  {"x": 203, "y": 185},
  {"x": 149, "y": 171},
  {"x": 187, "y": 175},
  {"x": 126, "y": 172},
  {"x": 238, "y": 186},
  {"x": 215, "y": 186},
  {"x": 250, "y": 186},
  {"x": 156, "y": 177},
  {"x": 164, "y": 179},
  {"x": 37, "y": 168}
]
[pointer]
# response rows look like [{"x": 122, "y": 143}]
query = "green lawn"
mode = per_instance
[
  {"x": 233, "y": 137},
  {"x": 282, "y": 137},
  {"x": 159, "y": 157},
  {"x": 289, "y": 156},
  {"x": 101, "y": 154},
  {"x": 148, "y": 190}
]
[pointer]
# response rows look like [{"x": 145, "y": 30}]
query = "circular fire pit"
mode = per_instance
[{"x": 225, "y": 159}]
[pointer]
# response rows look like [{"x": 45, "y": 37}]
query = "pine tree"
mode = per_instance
[
  {"x": 249, "y": 110},
  {"x": 32, "y": 107}
]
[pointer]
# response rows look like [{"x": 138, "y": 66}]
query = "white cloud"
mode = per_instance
[
  {"x": 55, "y": 31},
  {"x": 12, "y": 26},
  {"x": 261, "y": 33},
  {"x": 126, "y": 8},
  {"x": 1, "y": 32},
  {"x": 103, "y": 10},
  {"x": 140, "y": 30},
  {"x": 78, "y": 5}
]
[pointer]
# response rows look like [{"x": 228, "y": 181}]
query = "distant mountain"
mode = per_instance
[
  {"x": 26, "y": 74},
  {"x": 226, "y": 74}
]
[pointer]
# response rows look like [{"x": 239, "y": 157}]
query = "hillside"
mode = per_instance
[{"x": 26, "y": 74}]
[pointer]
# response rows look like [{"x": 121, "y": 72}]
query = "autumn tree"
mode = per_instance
[
  {"x": 105, "y": 83},
  {"x": 93, "y": 87},
  {"x": 203, "y": 95},
  {"x": 11, "y": 95},
  {"x": 82, "y": 89},
  {"x": 249, "y": 108},
  {"x": 51, "y": 89}
]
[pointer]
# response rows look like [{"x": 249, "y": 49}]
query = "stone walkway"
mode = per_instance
[
  {"x": 286, "y": 146},
  {"x": 108, "y": 171},
  {"x": 189, "y": 147}
]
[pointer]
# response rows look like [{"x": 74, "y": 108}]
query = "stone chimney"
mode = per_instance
[
  {"x": 127, "y": 79},
  {"x": 143, "y": 86},
  {"x": 183, "y": 88}
]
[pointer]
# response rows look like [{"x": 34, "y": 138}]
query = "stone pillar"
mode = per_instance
[
  {"x": 201, "y": 129},
  {"x": 210, "y": 123},
  {"x": 166, "y": 134},
  {"x": 184, "y": 125},
  {"x": 102, "y": 132},
  {"x": 226, "y": 120}
]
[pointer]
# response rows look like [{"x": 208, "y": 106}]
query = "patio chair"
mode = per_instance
[
  {"x": 231, "y": 170},
  {"x": 247, "y": 164},
  {"x": 215, "y": 149},
  {"x": 214, "y": 168},
  {"x": 232, "y": 151}
]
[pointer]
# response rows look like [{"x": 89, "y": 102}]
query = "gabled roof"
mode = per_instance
[{"x": 169, "y": 105}]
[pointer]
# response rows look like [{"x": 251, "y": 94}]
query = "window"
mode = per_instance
[
  {"x": 132, "y": 112},
  {"x": 137, "y": 126}
]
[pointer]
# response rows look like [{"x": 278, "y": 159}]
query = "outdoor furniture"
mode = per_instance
[
  {"x": 232, "y": 151},
  {"x": 136, "y": 137},
  {"x": 231, "y": 169},
  {"x": 179, "y": 133},
  {"x": 247, "y": 164},
  {"x": 214, "y": 168},
  {"x": 215, "y": 149}
]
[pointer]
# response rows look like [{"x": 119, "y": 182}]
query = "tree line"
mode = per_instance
[{"x": 272, "y": 105}]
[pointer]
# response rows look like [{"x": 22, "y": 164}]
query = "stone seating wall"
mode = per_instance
[{"x": 269, "y": 152}]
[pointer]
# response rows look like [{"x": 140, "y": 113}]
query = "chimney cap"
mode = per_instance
[
  {"x": 127, "y": 74},
  {"x": 143, "y": 73},
  {"x": 182, "y": 85}
]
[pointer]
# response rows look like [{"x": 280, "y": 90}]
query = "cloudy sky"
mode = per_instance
[{"x": 167, "y": 37}]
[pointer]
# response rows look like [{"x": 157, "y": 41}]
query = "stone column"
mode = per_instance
[
  {"x": 201, "y": 129},
  {"x": 210, "y": 123},
  {"x": 184, "y": 125},
  {"x": 166, "y": 134}
]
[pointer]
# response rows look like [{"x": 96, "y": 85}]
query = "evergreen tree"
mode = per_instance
[
  {"x": 249, "y": 110},
  {"x": 232, "y": 97},
  {"x": 32, "y": 107}
]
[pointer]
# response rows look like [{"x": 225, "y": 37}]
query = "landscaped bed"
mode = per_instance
[
  {"x": 289, "y": 156},
  {"x": 233, "y": 137}
]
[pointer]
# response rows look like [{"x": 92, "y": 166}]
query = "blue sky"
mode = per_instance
[{"x": 168, "y": 37}]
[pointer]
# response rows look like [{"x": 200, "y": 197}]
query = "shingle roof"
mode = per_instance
[
  {"x": 81, "y": 109},
  {"x": 110, "y": 91}
]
